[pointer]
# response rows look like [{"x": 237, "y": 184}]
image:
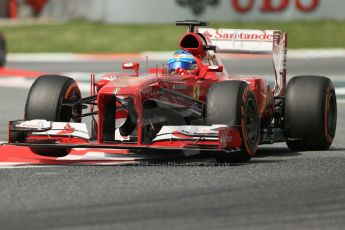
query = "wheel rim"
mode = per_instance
[
  {"x": 71, "y": 114},
  {"x": 251, "y": 122}
]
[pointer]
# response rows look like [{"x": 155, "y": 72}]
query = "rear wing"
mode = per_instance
[
  {"x": 245, "y": 41},
  {"x": 240, "y": 41}
]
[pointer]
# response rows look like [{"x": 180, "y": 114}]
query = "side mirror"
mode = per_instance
[
  {"x": 209, "y": 68},
  {"x": 131, "y": 65},
  {"x": 215, "y": 68}
]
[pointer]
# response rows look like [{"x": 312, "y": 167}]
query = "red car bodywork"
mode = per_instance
[{"x": 185, "y": 93}]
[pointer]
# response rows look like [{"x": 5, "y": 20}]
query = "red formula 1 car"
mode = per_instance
[
  {"x": 2, "y": 50},
  {"x": 176, "y": 110}
]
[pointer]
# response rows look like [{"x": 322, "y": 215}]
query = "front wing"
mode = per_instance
[{"x": 171, "y": 140}]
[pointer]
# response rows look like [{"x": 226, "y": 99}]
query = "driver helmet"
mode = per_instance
[{"x": 181, "y": 60}]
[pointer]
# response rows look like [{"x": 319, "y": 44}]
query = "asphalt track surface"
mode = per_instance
[{"x": 277, "y": 189}]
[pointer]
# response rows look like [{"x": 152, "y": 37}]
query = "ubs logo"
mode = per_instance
[{"x": 197, "y": 6}]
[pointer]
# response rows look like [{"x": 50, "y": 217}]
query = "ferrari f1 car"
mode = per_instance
[
  {"x": 2, "y": 50},
  {"x": 204, "y": 111}
]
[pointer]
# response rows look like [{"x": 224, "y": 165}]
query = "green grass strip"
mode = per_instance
[{"x": 85, "y": 37}]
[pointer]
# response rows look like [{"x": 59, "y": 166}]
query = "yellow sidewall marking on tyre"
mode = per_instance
[{"x": 196, "y": 92}]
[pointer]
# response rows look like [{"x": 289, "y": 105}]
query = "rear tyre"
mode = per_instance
[
  {"x": 45, "y": 101},
  {"x": 233, "y": 103},
  {"x": 310, "y": 113},
  {"x": 2, "y": 51}
]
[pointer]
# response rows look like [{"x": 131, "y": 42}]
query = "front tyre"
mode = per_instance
[
  {"x": 46, "y": 101},
  {"x": 233, "y": 103},
  {"x": 46, "y": 97},
  {"x": 310, "y": 117}
]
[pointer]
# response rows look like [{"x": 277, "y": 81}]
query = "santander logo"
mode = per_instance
[{"x": 220, "y": 34}]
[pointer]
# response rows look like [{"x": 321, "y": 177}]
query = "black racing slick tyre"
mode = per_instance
[
  {"x": 2, "y": 51},
  {"x": 47, "y": 95},
  {"x": 234, "y": 103},
  {"x": 310, "y": 116},
  {"x": 45, "y": 101}
]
